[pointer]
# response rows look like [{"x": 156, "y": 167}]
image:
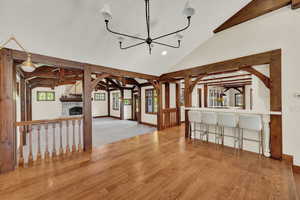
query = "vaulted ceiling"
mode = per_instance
[{"x": 75, "y": 30}]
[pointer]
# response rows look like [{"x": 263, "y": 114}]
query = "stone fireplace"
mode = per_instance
[{"x": 71, "y": 108}]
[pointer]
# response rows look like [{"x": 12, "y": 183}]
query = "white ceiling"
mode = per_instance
[{"x": 75, "y": 30}]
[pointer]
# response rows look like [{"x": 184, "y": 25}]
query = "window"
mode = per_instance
[
  {"x": 99, "y": 96},
  {"x": 151, "y": 101},
  {"x": 239, "y": 100},
  {"x": 45, "y": 96},
  {"x": 116, "y": 101},
  {"x": 127, "y": 101}
]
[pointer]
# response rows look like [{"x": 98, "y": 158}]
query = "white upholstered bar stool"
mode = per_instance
[
  {"x": 228, "y": 120},
  {"x": 209, "y": 119},
  {"x": 195, "y": 120},
  {"x": 252, "y": 123}
]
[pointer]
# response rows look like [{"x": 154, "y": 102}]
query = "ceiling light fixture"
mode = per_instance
[
  {"x": 164, "y": 53},
  {"x": 188, "y": 11},
  {"x": 27, "y": 65}
]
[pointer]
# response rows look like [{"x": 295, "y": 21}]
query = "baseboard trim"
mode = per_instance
[
  {"x": 115, "y": 117},
  {"x": 290, "y": 160},
  {"x": 148, "y": 124},
  {"x": 102, "y": 116},
  {"x": 296, "y": 169}
]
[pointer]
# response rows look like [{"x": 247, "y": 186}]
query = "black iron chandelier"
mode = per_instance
[{"x": 188, "y": 12}]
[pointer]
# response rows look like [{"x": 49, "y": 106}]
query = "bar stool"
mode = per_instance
[
  {"x": 194, "y": 119},
  {"x": 209, "y": 119},
  {"x": 252, "y": 123},
  {"x": 228, "y": 120}
]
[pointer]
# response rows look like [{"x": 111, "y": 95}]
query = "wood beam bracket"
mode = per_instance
[
  {"x": 261, "y": 76},
  {"x": 98, "y": 79},
  {"x": 194, "y": 83}
]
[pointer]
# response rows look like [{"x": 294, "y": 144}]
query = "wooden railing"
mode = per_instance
[
  {"x": 170, "y": 117},
  {"x": 42, "y": 146}
]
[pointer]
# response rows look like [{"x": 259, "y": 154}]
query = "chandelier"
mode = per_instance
[{"x": 188, "y": 12}]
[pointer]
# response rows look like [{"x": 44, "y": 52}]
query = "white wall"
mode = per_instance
[
  {"x": 47, "y": 109},
  {"x": 99, "y": 108},
  {"x": 279, "y": 29},
  {"x": 147, "y": 118},
  {"x": 53, "y": 109}
]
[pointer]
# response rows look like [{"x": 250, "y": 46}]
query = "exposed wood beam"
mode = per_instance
[
  {"x": 98, "y": 79},
  {"x": 226, "y": 77},
  {"x": 237, "y": 84},
  {"x": 187, "y": 103},
  {"x": 224, "y": 66},
  {"x": 295, "y": 4},
  {"x": 225, "y": 81},
  {"x": 194, "y": 83},
  {"x": 261, "y": 76},
  {"x": 122, "y": 73},
  {"x": 252, "y": 10},
  {"x": 114, "y": 83}
]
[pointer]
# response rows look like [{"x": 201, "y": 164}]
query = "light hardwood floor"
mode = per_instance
[{"x": 162, "y": 165}]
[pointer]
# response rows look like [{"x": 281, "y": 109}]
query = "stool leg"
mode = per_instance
[
  {"x": 234, "y": 137},
  {"x": 263, "y": 143},
  {"x": 207, "y": 133},
  {"x": 242, "y": 139}
]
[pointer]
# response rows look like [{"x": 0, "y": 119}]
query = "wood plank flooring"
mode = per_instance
[{"x": 162, "y": 166}]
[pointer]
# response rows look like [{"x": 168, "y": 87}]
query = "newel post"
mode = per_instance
[
  {"x": 7, "y": 116},
  {"x": 87, "y": 109}
]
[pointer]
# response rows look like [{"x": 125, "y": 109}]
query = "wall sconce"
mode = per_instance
[{"x": 27, "y": 65}]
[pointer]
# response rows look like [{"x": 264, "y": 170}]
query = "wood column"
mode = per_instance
[
  {"x": 178, "y": 104},
  {"x": 87, "y": 109},
  {"x": 167, "y": 101},
  {"x": 108, "y": 98},
  {"x": 159, "y": 107},
  {"x": 122, "y": 105},
  {"x": 244, "y": 97},
  {"x": 28, "y": 103},
  {"x": 276, "y": 105},
  {"x": 23, "y": 103},
  {"x": 132, "y": 108},
  {"x": 8, "y": 112},
  {"x": 140, "y": 105},
  {"x": 205, "y": 91},
  {"x": 187, "y": 103}
]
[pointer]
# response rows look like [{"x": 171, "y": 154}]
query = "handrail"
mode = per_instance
[{"x": 35, "y": 122}]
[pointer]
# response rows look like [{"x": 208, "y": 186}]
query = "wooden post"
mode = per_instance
[
  {"x": 122, "y": 105},
  {"x": 28, "y": 103},
  {"x": 8, "y": 115},
  {"x": 205, "y": 95},
  {"x": 132, "y": 108},
  {"x": 178, "y": 104},
  {"x": 167, "y": 102},
  {"x": 276, "y": 105},
  {"x": 159, "y": 107},
  {"x": 140, "y": 105},
  {"x": 23, "y": 103},
  {"x": 187, "y": 103},
  {"x": 108, "y": 99},
  {"x": 87, "y": 109}
]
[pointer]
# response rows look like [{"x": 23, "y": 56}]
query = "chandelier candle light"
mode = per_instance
[
  {"x": 188, "y": 12},
  {"x": 27, "y": 65}
]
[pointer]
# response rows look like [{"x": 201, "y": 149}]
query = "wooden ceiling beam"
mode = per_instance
[
  {"x": 252, "y": 10},
  {"x": 237, "y": 84},
  {"x": 225, "y": 81},
  {"x": 225, "y": 66},
  {"x": 98, "y": 79},
  {"x": 295, "y": 4},
  {"x": 194, "y": 83},
  {"x": 261, "y": 76},
  {"x": 122, "y": 73}
]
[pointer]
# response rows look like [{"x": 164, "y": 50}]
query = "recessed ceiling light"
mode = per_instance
[{"x": 164, "y": 53}]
